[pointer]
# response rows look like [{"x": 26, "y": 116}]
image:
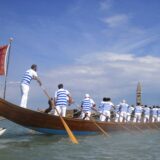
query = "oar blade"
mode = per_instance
[{"x": 72, "y": 137}]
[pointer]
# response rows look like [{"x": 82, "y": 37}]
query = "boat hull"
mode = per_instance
[{"x": 50, "y": 124}]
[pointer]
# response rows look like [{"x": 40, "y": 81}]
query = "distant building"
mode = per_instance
[{"x": 139, "y": 94}]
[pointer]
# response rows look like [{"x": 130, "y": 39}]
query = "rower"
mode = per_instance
[
  {"x": 106, "y": 106},
  {"x": 117, "y": 112},
  {"x": 154, "y": 114},
  {"x": 146, "y": 112},
  {"x": 62, "y": 99},
  {"x": 86, "y": 105},
  {"x": 158, "y": 113},
  {"x": 138, "y": 113},
  {"x": 130, "y": 110},
  {"x": 123, "y": 111},
  {"x": 28, "y": 76}
]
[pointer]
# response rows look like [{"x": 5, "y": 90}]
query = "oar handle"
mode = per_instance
[{"x": 45, "y": 92}]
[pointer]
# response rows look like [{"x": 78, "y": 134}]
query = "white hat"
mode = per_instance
[
  {"x": 123, "y": 101},
  {"x": 87, "y": 95}
]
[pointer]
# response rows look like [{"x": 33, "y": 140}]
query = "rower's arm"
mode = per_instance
[{"x": 38, "y": 80}]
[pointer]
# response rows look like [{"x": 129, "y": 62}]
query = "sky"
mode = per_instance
[{"x": 100, "y": 47}]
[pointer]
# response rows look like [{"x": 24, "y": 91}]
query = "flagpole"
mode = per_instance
[{"x": 6, "y": 76}]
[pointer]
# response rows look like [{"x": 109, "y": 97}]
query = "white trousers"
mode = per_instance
[
  {"x": 105, "y": 115},
  {"x": 158, "y": 119},
  {"x": 137, "y": 117},
  {"x": 117, "y": 117},
  {"x": 123, "y": 116},
  {"x": 128, "y": 117},
  {"x": 61, "y": 110},
  {"x": 154, "y": 118},
  {"x": 146, "y": 118},
  {"x": 24, "y": 93},
  {"x": 83, "y": 115}
]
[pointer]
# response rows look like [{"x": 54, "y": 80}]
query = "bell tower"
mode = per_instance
[{"x": 139, "y": 94}]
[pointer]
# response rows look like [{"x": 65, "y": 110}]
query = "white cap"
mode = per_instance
[
  {"x": 87, "y": 95},
  {"x": 123, "y": 101}
]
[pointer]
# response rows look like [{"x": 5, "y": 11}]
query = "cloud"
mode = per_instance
[
  {"x": 105, "y": 5},
  {"x": 116, "y": 20},
  {"x": 107, "y": 74}
]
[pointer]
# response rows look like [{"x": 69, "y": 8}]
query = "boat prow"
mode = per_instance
[{"x": 2, "y": 130}]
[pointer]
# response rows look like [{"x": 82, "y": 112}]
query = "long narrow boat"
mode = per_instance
[{"x": 50, "y": 124}]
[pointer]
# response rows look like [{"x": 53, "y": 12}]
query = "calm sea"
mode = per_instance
[{"x": 19, "y": 143}]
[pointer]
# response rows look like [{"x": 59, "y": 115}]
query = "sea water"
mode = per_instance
[{"x": 19, "y": 143}]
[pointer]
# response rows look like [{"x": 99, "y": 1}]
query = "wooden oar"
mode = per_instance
[
  {"x": 112, "y": 122},
  {"x": 71, "y": 135},
  {"x": 100, "y": 128},
  {"x": 155, "y": 125},
  {"x": 140, "y": 130}
]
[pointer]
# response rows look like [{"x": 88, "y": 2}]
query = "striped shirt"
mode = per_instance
[
  {"x": 154, "y": 111},
  {"x": 28, "y": 76},
  {"x": 106, "y": 106},
  {"x": 130, "y": 109},
  {"x": 124, "y": 107},
  {"x": 138, "y": 109},
  {"x": 117, "y": 108},
  {"x": 86, "y": 104},
  {"x": 61, "y": 97},
  {"x": 147, "y": 111}
]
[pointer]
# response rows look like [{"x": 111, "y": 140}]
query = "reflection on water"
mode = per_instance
[{"x": 22, "y": 143}]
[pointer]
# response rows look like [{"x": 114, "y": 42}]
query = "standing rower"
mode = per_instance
[{"x": 28, "y": 76}]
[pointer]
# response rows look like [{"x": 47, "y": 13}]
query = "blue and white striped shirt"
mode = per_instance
[
  {"x": 86, "y": 104},
  {"x": 147, "y": 111},
  {"x": 138, "y": 109},
  {"x": 123, "y": 107},
  {"x": 154, "y": 111},
  {"x": 28, "y": 76},
  {"x": 61, "y": 97},
  {"x": 106, "y": 106}
]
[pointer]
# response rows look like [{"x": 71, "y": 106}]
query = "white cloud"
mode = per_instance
[
  {"x": 105, "y": 5},
  {"x": 107, "y": 74},
  {"x": 116, "y": 20}
]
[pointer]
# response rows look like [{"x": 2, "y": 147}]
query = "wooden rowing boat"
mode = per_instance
[{"x": 50, "y": 124}]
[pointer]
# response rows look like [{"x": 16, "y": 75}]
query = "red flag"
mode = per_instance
[{"x": 3, "y": 55}]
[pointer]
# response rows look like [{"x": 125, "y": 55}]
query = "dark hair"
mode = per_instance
[
  {"x": 34, "y": 66},
  {"x": 60, "y": 86},
  {"x": 106, "y": 99}
]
